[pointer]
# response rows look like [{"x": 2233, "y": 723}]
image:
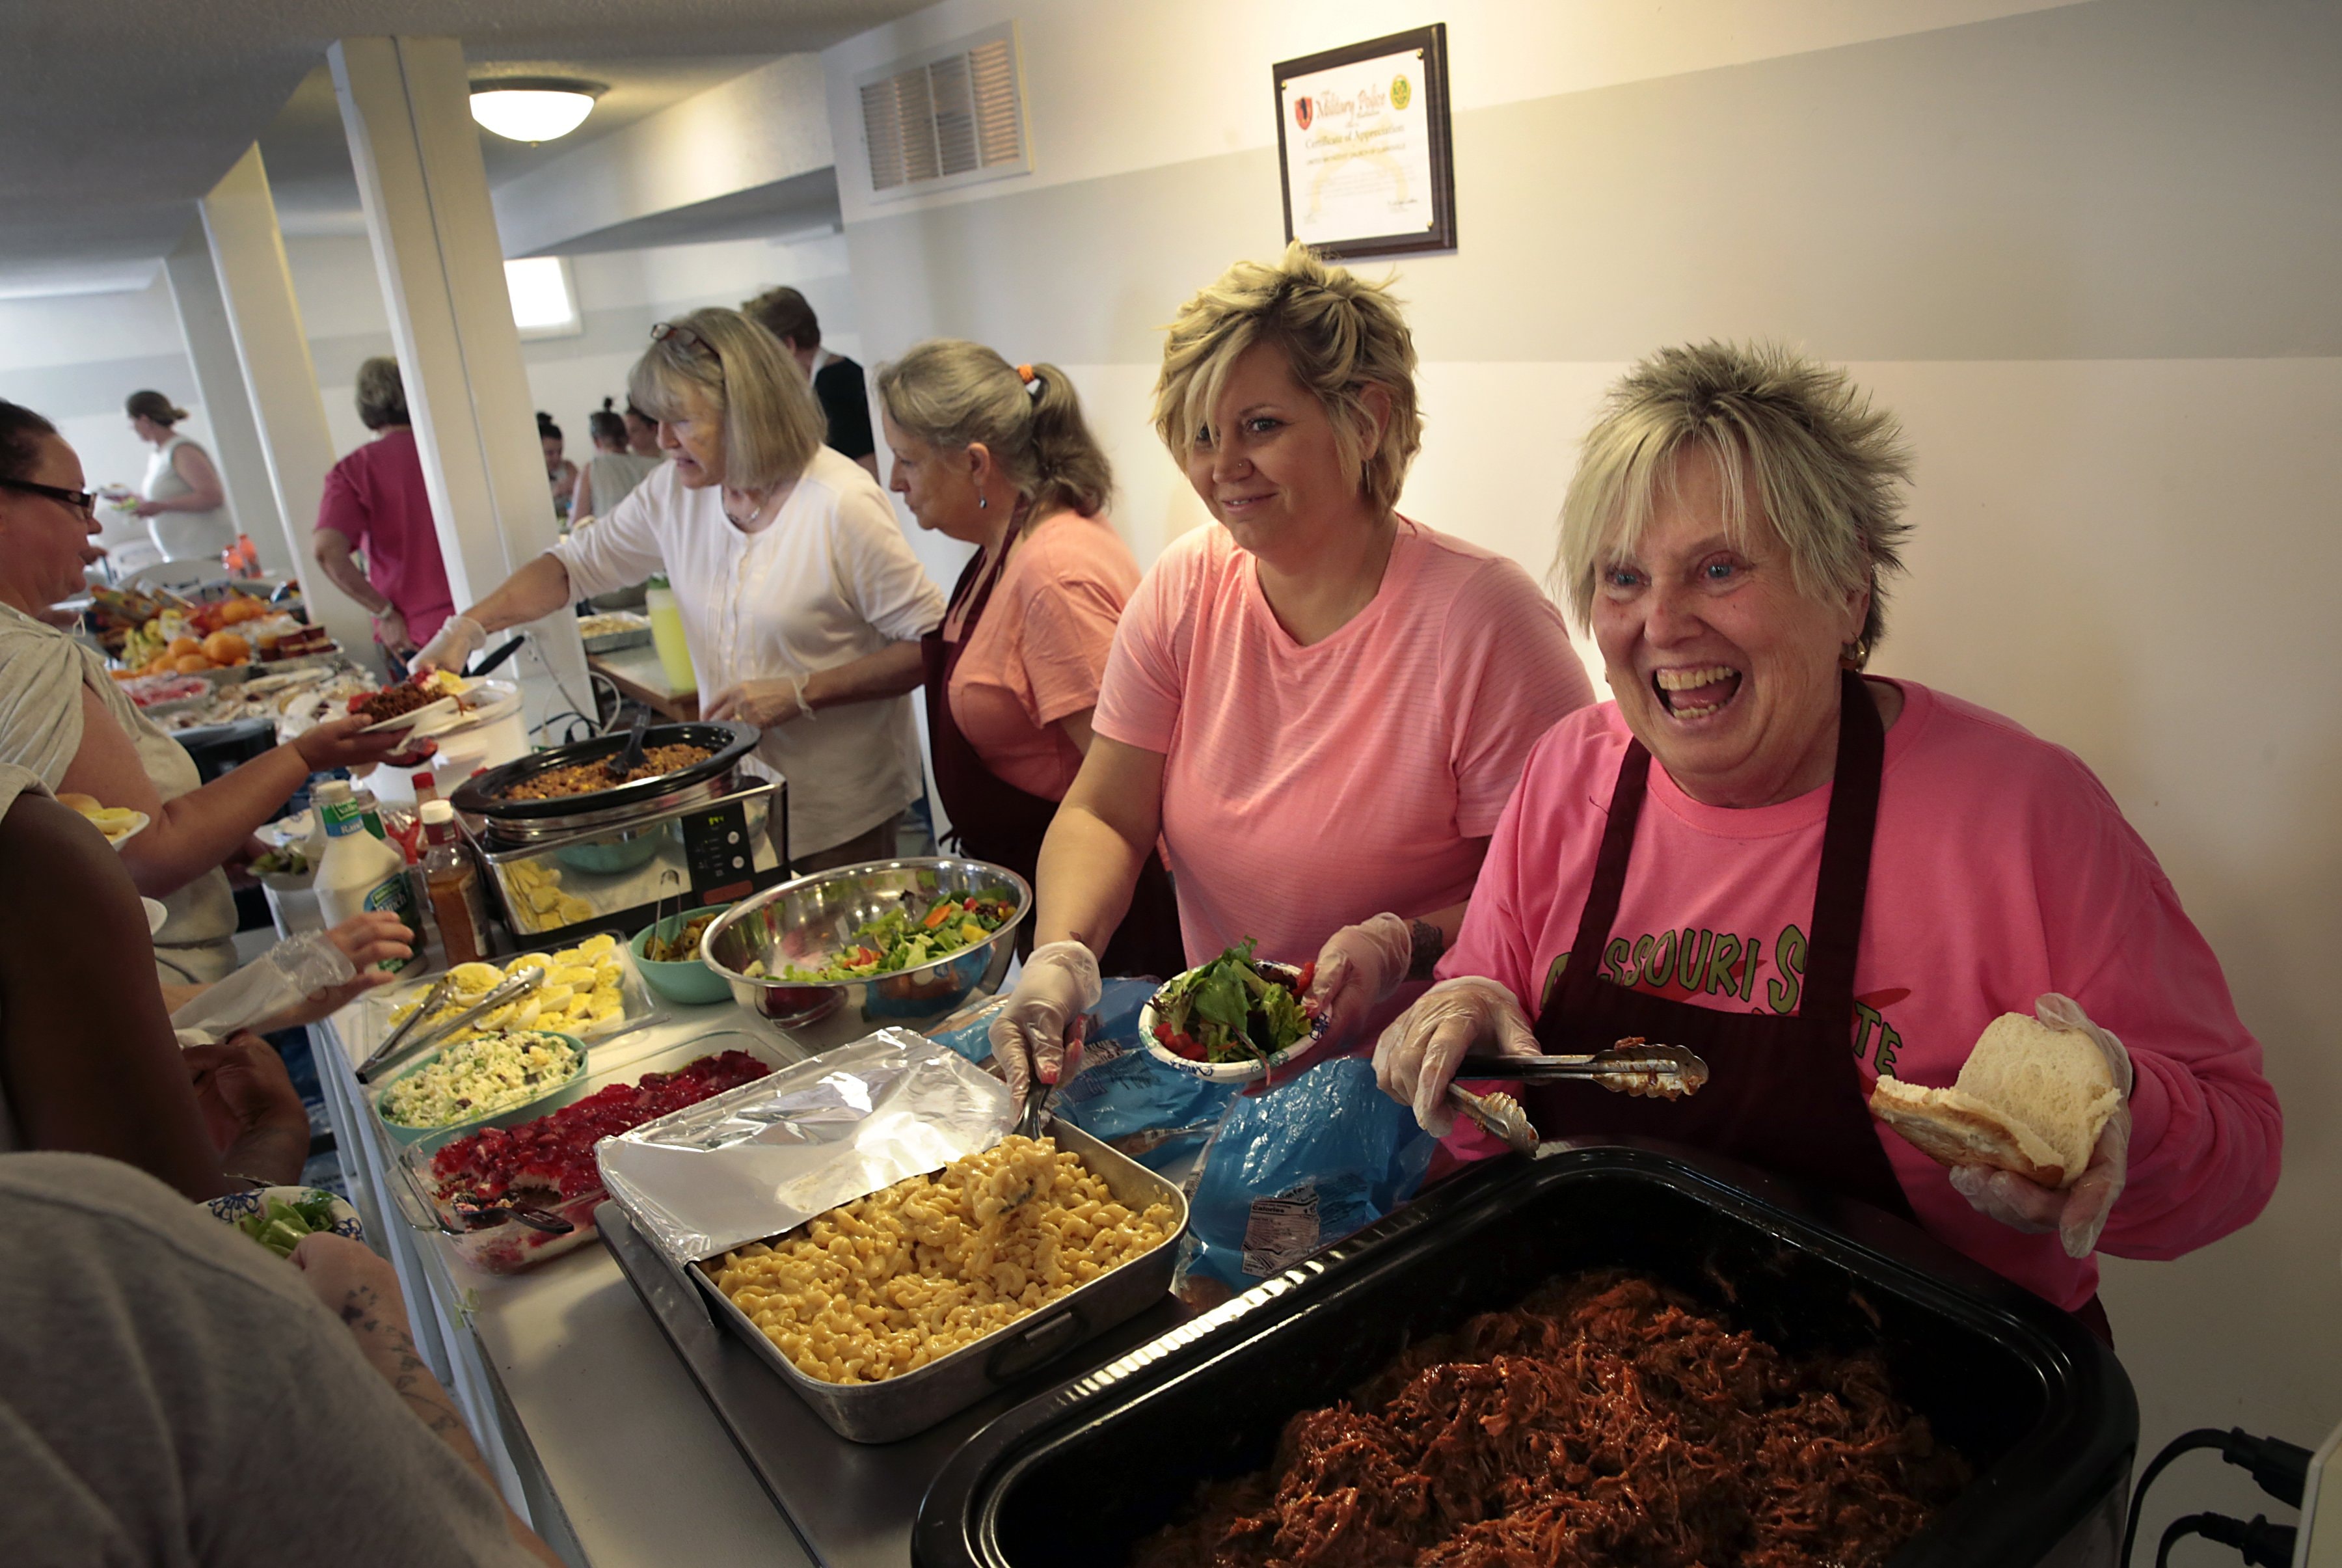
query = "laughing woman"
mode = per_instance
[{"x": 1812, "y": 877}]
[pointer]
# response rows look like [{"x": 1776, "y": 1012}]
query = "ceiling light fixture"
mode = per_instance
[{"x": 534, "y": 108}]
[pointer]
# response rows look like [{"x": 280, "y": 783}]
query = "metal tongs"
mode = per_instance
[
  {"x": 512, "y": 990},
  {"x": 1630, "y": 1066}
]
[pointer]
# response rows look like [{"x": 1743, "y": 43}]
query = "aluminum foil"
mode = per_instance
[{"x": 758, "y": 1159}]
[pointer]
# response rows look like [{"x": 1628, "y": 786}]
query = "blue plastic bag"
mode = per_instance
[
  {"x": 1122, "y": 1096},
  {"x": 1300, "y": 1168}
]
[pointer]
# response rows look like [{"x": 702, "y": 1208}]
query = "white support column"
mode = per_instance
[
  {"x": 255, "y": 287},
  {"x": 237, "y": 452},
  {"x": 405, "y": 105}
]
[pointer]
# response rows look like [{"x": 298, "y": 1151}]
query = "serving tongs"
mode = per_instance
[
  {"x": 512, "y": 990},
  {"x": 398, "y": 1037},
  {"x": 1630, "y": 1066}
]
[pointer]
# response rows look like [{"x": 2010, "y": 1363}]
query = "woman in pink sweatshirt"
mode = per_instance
[{"x": 1825, "y": 877}]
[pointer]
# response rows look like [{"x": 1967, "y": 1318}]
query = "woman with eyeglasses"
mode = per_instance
[
  {"x": 801, "y": 600},
  {"x": 63, "y": 718}
]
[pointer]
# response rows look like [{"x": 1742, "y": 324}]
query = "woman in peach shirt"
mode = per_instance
[{"x": 999, "y": 457}]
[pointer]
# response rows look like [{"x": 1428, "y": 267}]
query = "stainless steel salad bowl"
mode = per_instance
[{"x": 806, "y": 923}]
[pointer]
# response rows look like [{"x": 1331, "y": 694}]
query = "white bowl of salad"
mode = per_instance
[{"x": 1232, "y": 1020}]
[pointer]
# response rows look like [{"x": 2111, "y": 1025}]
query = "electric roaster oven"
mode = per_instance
[{"x": 568, "y": 852}]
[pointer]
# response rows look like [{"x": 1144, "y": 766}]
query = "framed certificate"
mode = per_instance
[{"x": 1364, "y": 148}]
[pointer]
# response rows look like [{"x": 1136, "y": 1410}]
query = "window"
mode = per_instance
[{"x": 542, "y": 304}]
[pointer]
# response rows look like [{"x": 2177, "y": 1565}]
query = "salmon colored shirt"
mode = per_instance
[
  {"x": 1040, "y": 647},
  {"x": 1306, "y": 789},
  {"x": 2000, "y": 869}
]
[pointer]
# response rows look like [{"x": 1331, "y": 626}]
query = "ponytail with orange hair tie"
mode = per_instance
[{"x": 1025, "y": 373}]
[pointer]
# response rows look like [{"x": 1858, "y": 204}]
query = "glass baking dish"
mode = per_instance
[{"x": 506, "y": 1246}]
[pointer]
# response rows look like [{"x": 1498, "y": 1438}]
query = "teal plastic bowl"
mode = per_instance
[
  {"x": 693, "y": 983},
  {"x": 618, "y": 852}
]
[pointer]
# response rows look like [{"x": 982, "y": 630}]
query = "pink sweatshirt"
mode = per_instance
[{"x": 2001, "y": 870}]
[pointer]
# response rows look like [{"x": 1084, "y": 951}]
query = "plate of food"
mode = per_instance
[
  {"x": 416, "y": 704},
  {"x": 278, "y": 1217},
  {"x": 118, "y": 823},
  {"x": 1232, "y": 1020},
  {"x": 590, "y": 989}
]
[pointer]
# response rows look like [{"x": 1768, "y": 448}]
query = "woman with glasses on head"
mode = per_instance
[
  {"x": 801, "y": 600},
  {"x": 63, "y": 717},
  {"x": 999, "y": 457}
]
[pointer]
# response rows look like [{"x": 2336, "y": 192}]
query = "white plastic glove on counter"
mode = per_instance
[
  {"x": 1059, "y": 983},
  {"x": 1418, "y": 1055},
  {"x": 2078, "y": 1213}
]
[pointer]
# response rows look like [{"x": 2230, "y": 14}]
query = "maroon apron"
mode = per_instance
[
  {"x": 995, "y": 821},
  {"x": 1782, "y": 1093}
]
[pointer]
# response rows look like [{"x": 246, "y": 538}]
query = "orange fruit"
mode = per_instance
[
  {"x": 191, "y": 664},
  {"x": 227, "y": 647},
  {"x": 183, "y": 646}
]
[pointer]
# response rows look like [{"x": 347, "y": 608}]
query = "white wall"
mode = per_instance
[
  {"x": 619, "y": 294},
  {"x": 2083, "y": 251}
]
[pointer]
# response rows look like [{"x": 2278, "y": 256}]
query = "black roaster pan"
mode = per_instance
[
  {"x": 2042, "y": 1410},
  {"x": 483, "y": 794}
]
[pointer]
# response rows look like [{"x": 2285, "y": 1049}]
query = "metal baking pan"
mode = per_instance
[
  {"x": 900, "y": 1406},
  {"x": 483, "y": 795},
  {"x": 2041, "y": 1409}
]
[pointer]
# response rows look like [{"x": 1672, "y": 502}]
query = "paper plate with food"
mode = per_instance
[
  {"x": 422, "y": 704},
  {"x": 278, "y": 1217},
  {"x": 118, "y": 823},
  {"x": 1231, "y": 1021}
]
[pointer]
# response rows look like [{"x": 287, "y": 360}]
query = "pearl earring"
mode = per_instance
[{"x": 982, "y": 502}]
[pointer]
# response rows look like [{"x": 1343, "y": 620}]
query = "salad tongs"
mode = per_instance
[
  {"x": 398, "y": 1037},
  {"x": 512, "y": 990}
]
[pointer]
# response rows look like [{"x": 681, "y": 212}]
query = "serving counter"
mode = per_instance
[{"x": 595, "y": 1429}]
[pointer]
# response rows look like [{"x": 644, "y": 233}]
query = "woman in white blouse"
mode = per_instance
[{"x": 801, "y": 600}]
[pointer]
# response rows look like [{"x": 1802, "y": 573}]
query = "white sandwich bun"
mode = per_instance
[{"x": 2029, "y": 1098}]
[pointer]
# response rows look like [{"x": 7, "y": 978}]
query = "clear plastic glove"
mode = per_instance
[
  {"x": 1359, "y": 966},
  {"x": 279, "y": 979},
  {"x": 2078, "y": 1212},
  {"x": 1060, "y": 982},
  {"x": 764, "y": 703},
  {"x": 459, "y": 637},
  {"x": 1418, "y": 1055}
]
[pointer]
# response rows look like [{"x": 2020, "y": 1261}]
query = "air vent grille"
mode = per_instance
[{"x": 954, "y": 117}]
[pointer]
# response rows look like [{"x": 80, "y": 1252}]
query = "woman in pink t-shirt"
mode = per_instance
[
  {"x": 999, "y": 457},
  {"x": 1319, "y": 707},
  {"x": 1825, "y": 877}
]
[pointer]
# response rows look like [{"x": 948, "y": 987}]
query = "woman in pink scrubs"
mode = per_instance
[
  {"x": 1812, "y": 877},
  {"x": 1319, "y": 706}
]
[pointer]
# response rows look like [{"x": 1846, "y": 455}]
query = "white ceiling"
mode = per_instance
[{"x": 118, "y": 114}]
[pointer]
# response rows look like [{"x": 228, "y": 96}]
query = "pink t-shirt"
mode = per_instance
[
  {"x": 1038, "y": 652},
  {"x": 375, "y": 498},
  {"x": 2000, "y": 869},
  {"x": 1306, "y": 789}
]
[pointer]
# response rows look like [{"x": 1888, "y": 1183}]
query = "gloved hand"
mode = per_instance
[
  {"x": 764, "y": 703},
  {"x": 1059, "y": 983},
  {"x": 459, "y": 637},
  {"x": 1416, "y": 1057},
  {"x": 1359, "y": 966},
  {"x": 2078, "y": 1212}
]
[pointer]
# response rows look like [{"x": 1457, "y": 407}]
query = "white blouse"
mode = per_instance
[{"x": 831, "y": 580}]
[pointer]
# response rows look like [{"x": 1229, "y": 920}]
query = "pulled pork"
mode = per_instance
[{"x": 1605, "y": 1421}]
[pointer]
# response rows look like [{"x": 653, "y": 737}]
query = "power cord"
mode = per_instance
[
  {"x": 2260, "y": 1543},
  {"x": 2281, "y": 1469}
]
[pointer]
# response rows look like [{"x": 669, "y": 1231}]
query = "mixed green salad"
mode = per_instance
[
  {"x": 915, "y": 931},
  {"x": 1231, "y": 1009},
  {"x": 280, "y": 1226}
]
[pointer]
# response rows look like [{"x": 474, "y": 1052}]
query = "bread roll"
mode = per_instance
[{"x": 2029, "y": 1098}]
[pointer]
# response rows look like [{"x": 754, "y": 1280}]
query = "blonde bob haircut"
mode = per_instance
[
  {"x": 1340, "y": 335},
  {"x": 951, "y": 394},
  {"x": 771, "y": 425},
  {"x": 1825, "y": 466}
]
